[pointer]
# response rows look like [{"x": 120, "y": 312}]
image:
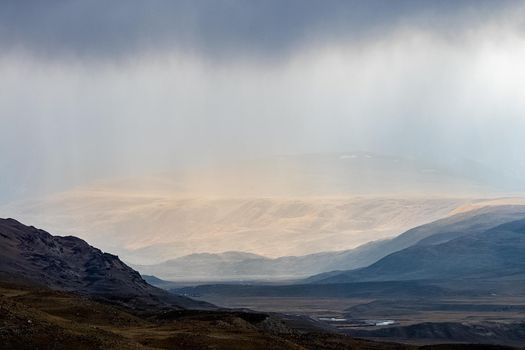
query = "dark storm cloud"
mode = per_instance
[
  {"x": 435, "y": 79},
  {"x": 269, "y": 28}
]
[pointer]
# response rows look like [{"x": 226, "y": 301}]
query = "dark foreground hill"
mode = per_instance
[
  {"x": 39, "y": 318},
  {"x": 33, "y": 256}
]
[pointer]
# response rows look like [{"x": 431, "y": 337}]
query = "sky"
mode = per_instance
[{"x": 96, "y": 89}]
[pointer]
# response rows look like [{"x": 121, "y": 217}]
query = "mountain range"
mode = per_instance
[
  {"x": 243, "y": 266},
  {"x": 467, "y": 251}
]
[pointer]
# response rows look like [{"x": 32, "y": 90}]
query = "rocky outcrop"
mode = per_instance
[{"x": 68, "y": 263}]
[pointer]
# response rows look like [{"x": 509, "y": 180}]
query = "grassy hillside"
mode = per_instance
[{"x": 38, "y": 318}]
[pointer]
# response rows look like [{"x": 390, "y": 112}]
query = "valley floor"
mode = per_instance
[
  {"x": 370, "y": 318},
  {"x": 34, "y": 318},
  {"x": 37, "y": 318}
]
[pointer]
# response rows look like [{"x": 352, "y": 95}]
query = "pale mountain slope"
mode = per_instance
[
  {"x": 147, "y": 228},
  {"x": 280, "y": 206},
  {"x": 239, "y": 266}
]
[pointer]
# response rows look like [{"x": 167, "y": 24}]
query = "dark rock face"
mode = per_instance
[{"x": 70, "y": 264}]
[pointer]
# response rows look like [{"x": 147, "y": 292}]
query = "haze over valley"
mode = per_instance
[{"x": 149, "y": 220}]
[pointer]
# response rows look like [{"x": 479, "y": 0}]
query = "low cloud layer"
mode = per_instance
[{"x": 96, "y": 89}]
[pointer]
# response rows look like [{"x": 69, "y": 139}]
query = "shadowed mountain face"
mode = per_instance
[
  {"x": 496, "y": 253},
  {"x": 236, "y": 265},
  {"x": 70, "y": 264},
  {"x": 440, "y": 231}
]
